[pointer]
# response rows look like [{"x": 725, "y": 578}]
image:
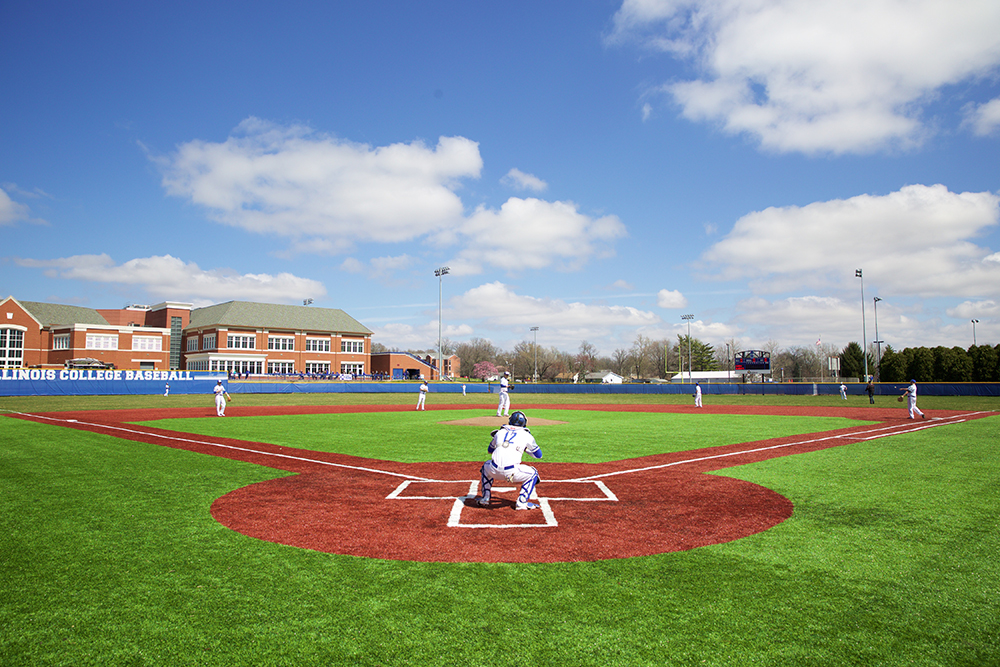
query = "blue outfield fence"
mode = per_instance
[
  {"x": 59, "y": 382},
  {"x": 765, "y": 389},
  {"x": 90, "y": 382}
]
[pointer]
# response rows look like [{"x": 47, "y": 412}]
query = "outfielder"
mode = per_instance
[
  {"x": 508, "y": 444},
  {"x": 697, "y": 394},
  {"x": 504, "y": 404},
  {"x": 221, "y": 396},
  {"x": 423, "y": 396}
]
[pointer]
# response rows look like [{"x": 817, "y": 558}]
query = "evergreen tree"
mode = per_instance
[
  {"x": 893, "y": 366},
  {"x": 852, "y": 361}
]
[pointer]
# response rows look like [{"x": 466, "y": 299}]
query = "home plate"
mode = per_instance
[{"x": 500, "y": 513}]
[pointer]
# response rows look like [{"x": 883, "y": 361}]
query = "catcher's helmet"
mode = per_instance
[{"x": 517, "y": 419}]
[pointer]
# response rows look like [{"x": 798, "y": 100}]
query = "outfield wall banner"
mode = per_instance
[{"x": 92, "y": 382}]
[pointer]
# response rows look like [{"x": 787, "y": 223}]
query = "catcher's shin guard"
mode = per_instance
[
  {"x": 487, "y": 482},
  {"x": 527, "y": 488}
]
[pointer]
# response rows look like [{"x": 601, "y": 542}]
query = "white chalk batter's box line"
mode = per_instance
[{"x": 458, "y": 502}]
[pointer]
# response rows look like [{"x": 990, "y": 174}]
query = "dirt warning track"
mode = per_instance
[{"x": 426, "y": 512}]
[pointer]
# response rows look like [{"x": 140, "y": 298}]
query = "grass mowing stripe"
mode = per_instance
[{"x": 587, "y": 437}]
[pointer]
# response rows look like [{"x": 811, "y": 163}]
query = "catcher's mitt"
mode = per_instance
[{"x": 229, "y": 398}]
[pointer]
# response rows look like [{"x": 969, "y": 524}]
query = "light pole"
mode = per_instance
[
  {"x": 878, "y": 344},
  {"x": 443, "y": 271},
  {"x": 535, "y": 329},
  {"x": 864, "y": 332},
  {"x": 974, "y": 322},
  {"x": 688, "y": 318}
]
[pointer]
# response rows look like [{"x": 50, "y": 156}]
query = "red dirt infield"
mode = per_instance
[{"x": 426, "y": 511}]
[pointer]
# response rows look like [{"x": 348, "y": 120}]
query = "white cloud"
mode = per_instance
[
  {"x": 976, "y": 309},
  {"x": 168, "y": 277},
  {"x": 917, "y": 241},
  {"x": 294, "y": 182},
  {"x": 670, "y": 299},
  {"x": 326, "y": 195},
  {"x": 533, "y": 234},
  {"x": 498, "y": 305},
  {"x": 396, "y": 336},
  {"x": 647, "y": 111},
  {"x": 837, "y": 76},
  {"x": 984, "y": 119},
  {"x": 516, "y": 178},
  {"x": 12, "y": 211}
]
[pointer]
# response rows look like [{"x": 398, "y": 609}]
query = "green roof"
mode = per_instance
[
  {"x": 54, "y": 314},
  {"x": 274, "y": 316}
]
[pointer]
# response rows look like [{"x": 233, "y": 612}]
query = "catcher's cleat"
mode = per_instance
[
  {"x": 482, "y": 502},
  {"x": 526, "y": 506}
]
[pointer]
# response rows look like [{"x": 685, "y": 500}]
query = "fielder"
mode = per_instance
[
  {"x": 697, "y": 394},
  {"x": 221, "y": 396},
  {"x": 911, "y": 400},
  {"x": 508, "y": 444},
  {"x": 504, "y": 404},
  {"x": 423, "y": 396},
  {"x": 843, "y": 391}
]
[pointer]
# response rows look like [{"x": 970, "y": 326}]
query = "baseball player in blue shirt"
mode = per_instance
[{"x": 508, "y": 444}]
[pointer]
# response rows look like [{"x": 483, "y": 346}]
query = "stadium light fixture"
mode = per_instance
[
  {"x": 974, "y": 322},
  {"x": 878, "y": 344},
  {"x": 864, "y": 332},
  {"x": 443, "y": 271},
  {"x": 688, "y": 318}
]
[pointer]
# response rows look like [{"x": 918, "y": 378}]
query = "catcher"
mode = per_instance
[
  {"x": 221, "y": 396},
  {"x": 508, "y": 444}
]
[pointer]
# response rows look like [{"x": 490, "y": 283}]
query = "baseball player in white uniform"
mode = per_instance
[
  {"x": 911, "y": 400},
  {"x": 697, "y": 394},
  {"x": 504, "y": 404},
  {"x": 508, "y": 444},
  {"x": 423, "y": 396},
  {"x": 220, "y": 399}
]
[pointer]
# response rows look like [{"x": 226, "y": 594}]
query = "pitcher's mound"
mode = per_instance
[{"x": 497, "y": 422}]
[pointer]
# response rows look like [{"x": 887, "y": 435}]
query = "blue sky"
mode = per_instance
[{"x": 595, "y": 169}]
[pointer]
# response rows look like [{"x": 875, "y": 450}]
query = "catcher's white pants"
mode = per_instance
[{"x": 518, "y": 473}]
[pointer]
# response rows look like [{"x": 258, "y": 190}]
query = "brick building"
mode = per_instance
[
  {"x": 243, "y": 337},
  {"x": 237, "y": 336}
]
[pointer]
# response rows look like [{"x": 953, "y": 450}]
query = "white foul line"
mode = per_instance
[
  {"x": 957, "y": 419},
  {"x": 149, "y": 434}
]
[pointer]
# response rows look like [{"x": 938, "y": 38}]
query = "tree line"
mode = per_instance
[{"x": 649, "y": 358}]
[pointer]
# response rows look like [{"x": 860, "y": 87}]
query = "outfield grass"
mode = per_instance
[{"x": 108, "y": 556}]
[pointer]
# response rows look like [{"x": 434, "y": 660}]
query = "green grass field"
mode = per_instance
[{"x": 110, "y": 556}]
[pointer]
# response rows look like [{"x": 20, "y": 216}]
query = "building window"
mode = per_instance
[
  {"x": 318, "y": 367},
  {"x": 147, "y": 343},
  {"x": 352, "y": 346},
  {"x": 352, "y": 368},
  {"x": 102, "y": 342},
  {"x": 280, "y": 343},
  {"x": 200, "y": 365},
  {"x": 208, "y": 342},
  {"x": 317, "y": 344},
  {"x": 60, "y": 342},
  {"x": 280, "y": 367},
  {"x": 241, "y": 342},
  {"x": 11, "y": 348},
  {"x": 192, "y": 346}
]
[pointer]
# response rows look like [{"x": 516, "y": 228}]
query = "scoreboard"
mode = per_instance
[{"x": 753, "y": 361}]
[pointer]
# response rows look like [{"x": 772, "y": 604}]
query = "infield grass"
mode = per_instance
[
  {"x": 109, "y": 556},
  {"x": 586, "y": 436}
]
